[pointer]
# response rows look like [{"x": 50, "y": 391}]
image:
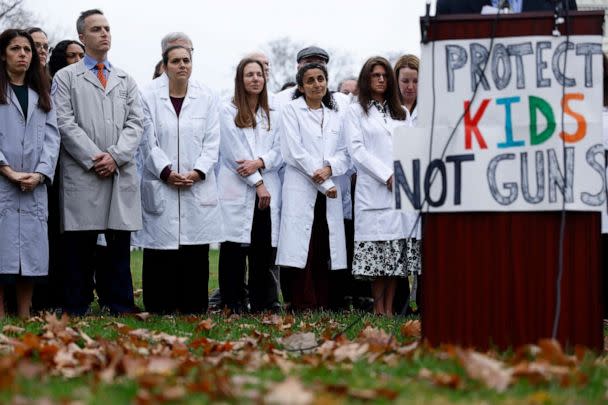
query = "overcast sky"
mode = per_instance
[{"x": 224, "y": 31}]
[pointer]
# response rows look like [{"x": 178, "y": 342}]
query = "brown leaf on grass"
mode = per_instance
[
  {"x": 375, "y": 337},
  {"x": 411, "y": 328},
  {"x": 362, "y": 394},
  {"x": 491, "y": 372},
  {"x": 272, "y": 319},
  {"x": 326, "y": 349},
  {"x": 441, "y": 379},
  {"x": 162, "y": 365},
  {"x": 350, "y": 351},
  {"x": 551, "y": 351},
  {"x": 205, "y": 325},
  {"x": 539, "y": 371},
  {"x": 305, "y": 342},
  {"x": 289, "y": 392},
  {"x": 387, "y": 393},
  {"x": 142, "y": 316},
  {"x": 55, "y": 325},
  {"x": 173, "y": 393},
  {"x": 12, "y": 329},
  {"x": 133, "y": 366}
]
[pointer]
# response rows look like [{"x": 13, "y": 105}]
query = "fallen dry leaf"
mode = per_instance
[
  {"x": 142, "y": 315},
  {"x": 441, "y": 379},
  {"x": 411, "y": 328},
  {"x": 289, "y": 392},
  {"x": 205, "y": 325},
  {"x": 16, "y": 330},
  {"x": 304, "y": 342},
  {"x": 350, "y": 351},
  {"x": 491, "y": 372}
]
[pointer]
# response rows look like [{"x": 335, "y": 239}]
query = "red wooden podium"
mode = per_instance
[{"x": 489, "y": 278}]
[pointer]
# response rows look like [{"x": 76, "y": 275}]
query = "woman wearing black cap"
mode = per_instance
[{"x": 311, "y": 236}]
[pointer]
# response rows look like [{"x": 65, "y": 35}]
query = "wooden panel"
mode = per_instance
[
  {"x": 489, "y": 279},
  {"x": 470, "y": 26}
]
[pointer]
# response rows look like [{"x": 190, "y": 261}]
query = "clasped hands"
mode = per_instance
[
  {"x": 322, "y": 174},
  {"x": 25, "y": 180},
  {"x": 104, "y": 164},
  {"x": 183, "y": 179},
  {"x": 248, "y": 167}
]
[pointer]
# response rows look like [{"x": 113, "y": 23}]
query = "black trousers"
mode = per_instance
[
  {"x": 49, "y": 295},
  {"x": 176, "y": 280},
  {"x": 262, "y": 284},
  {"x": 112, "y": 281}
]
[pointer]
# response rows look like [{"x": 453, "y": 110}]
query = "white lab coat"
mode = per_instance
[
  {"x": 237, "y": 193},
  {"x": 342, "y": 182},
  {"x": 412, "y": 117},
  {"x": 371, "y": 149},
  {"x": 172, "y": 216},
  {"x": 306, "y": 147}
]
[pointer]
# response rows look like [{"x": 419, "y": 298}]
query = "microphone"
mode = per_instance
[
  {"x": 426, "y": 24},
  {"x": 558, "y": 15}
]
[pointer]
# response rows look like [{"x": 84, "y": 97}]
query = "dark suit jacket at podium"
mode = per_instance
[{"x": 475, "y": 6}]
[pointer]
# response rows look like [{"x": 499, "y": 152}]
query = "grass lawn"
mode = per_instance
[{"x": 254, "y": 359}]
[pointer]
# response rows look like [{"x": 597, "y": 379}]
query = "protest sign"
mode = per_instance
[{"x": 505, "y": 148}]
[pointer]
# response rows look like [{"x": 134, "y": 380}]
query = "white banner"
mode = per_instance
[{"x": 508, "y": 151}]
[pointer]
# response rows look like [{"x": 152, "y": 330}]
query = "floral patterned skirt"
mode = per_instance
[{"x": 393, "y": 258}]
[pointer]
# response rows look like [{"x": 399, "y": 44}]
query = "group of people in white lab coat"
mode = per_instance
[
  {"x": 260, "y": 173},
  {"x": 268, "y": 176}
]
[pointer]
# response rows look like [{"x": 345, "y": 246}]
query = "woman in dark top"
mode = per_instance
[
  {"x": 181, "y": 214},
  {"x": 29, "y": 146}
]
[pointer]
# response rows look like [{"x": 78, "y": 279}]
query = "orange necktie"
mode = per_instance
[{"x": 100, "y": 76}]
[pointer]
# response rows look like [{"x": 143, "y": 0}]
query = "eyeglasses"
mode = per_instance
[
  {"x": 39, "y": 46},
  {"x": 379, "y": 75}
]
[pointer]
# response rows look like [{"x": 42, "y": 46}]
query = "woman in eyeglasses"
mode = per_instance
[
  {"x": 382, "y": 234},
  {"x": 41, "y": 43},
  {"x": 29, "y": 146},
  {"x": 49, "y": 295}
]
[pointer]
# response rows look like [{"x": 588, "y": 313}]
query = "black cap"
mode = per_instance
[{"x": 312, "y": 51}]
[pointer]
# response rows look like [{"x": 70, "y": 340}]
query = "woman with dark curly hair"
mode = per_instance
[
  {"x": 311, "y": 236},
  {"x": 65, "y": 53}
]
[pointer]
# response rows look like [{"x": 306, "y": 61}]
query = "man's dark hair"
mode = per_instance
[{"x": 83, "y": 16}]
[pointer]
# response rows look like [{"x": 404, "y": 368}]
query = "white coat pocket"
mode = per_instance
[
  {"x": 205, "y": 192},
  {"x": 152, "y": 196},
  {"x": 372, "y": 194}
]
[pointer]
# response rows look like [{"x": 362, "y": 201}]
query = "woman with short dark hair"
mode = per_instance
[
  {"x": 29, "y": 146},
  {"x": 311, "y": 236}
]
